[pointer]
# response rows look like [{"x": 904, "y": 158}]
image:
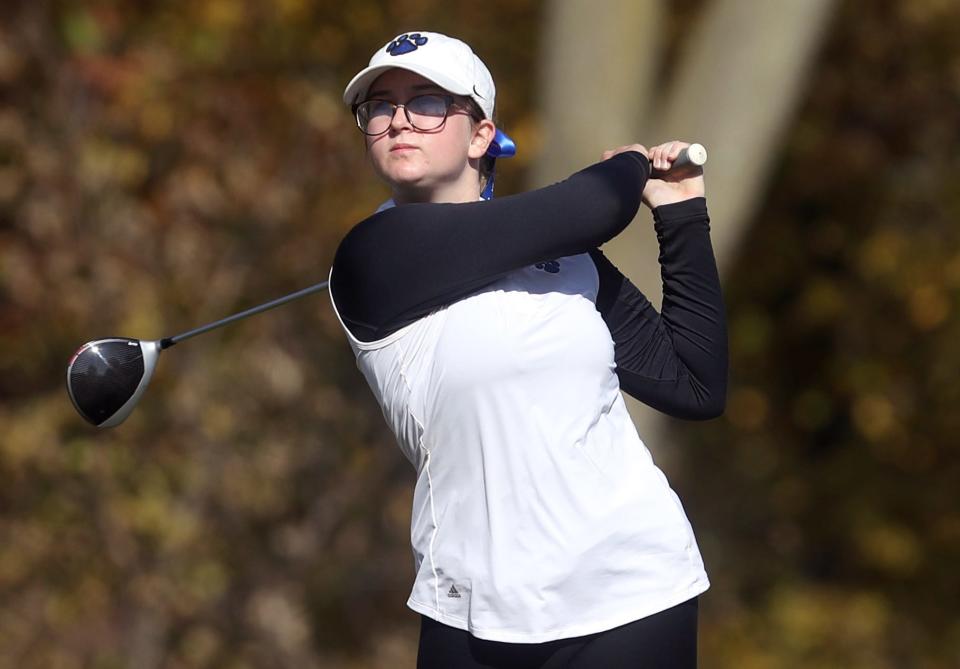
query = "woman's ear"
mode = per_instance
[{"x": 483, "y": 134}]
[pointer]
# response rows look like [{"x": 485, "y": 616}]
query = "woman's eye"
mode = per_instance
[
  {"x": 381, "y": 108},
  {"x": 428, "y": 105}
]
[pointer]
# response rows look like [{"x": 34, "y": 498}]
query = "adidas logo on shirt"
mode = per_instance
[{"x": 453, "y": 592}]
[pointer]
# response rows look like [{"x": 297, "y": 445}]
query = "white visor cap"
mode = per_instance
[{"x": 445, "y": 61}]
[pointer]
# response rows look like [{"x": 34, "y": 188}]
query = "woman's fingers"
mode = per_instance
[
  {"x": 675, "y": 149},
  {"x": 663, "y": 155}
]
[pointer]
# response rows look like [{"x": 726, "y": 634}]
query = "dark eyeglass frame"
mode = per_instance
[{"x": 449, "y": 100}]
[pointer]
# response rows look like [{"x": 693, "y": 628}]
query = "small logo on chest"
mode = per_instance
[
  {"x": 453, "y": 592},
  {"x": 551, "y": 266}
]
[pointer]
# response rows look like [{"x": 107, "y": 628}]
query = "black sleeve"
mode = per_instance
[
  {"x": 675, "y": 361},
  {"x": 398, "y": 265}
]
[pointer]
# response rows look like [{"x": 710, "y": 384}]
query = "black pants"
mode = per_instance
[{"x": 666, "y": 640}]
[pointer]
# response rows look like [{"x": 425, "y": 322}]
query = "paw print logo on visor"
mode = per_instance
[{"x": 405, "y": 44}]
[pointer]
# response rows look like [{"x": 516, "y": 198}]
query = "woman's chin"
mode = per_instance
[{"x": 406, "y": 178}]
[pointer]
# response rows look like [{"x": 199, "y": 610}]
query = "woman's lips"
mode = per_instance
[{"x": 402, "y": 147}]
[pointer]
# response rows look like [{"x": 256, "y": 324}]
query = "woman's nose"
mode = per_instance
[{"x": 400, "y": 120}]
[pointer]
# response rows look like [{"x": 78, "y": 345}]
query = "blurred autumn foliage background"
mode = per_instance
[{"x": 163, "y": 164}]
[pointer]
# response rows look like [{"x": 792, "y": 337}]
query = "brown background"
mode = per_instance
[{"x": 163, "y": 164}]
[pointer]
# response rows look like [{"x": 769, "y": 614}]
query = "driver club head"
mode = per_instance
[{"x": 106, "y": 377}]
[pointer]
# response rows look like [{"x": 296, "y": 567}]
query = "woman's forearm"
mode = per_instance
[{"x": 674, "y": 361}]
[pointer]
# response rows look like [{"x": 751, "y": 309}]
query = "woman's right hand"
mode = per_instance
[{"x": 665, "y": 188}]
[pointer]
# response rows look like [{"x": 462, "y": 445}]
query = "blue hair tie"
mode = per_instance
[{"x": 501, "y": 147}]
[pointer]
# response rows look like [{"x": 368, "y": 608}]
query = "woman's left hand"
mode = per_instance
[{"x": 668, "y": 189}]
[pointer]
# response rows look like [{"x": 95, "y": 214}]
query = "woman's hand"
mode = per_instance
[
  {"x": 671, "y": 188},
  {"x": 667, "y": 189}
]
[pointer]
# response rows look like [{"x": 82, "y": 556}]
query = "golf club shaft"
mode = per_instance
[{"x": 167, "y": 342}]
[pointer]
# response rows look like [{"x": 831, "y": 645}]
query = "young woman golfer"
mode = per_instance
[{"x": 497, "y": 338}]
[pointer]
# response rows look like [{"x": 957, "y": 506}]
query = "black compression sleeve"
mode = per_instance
[
  {"x": 675, "y": 361},
  {"x": 398, "y": 265}
]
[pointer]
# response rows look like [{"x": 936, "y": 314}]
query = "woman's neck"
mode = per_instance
[{"x": 459, "y": 191}]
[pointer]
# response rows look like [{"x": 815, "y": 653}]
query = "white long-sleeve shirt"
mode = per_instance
[{"x": 538, "y": 512}]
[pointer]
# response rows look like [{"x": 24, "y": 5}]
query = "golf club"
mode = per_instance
[{"x": 106, "y": 377}]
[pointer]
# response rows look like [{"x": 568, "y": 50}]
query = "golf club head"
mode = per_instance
[{"x": 106, "y": 378}]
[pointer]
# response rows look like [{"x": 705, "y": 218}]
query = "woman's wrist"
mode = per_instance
[
  {"x": 671, "y": 198},
  {"x": 658, "y": 193}
]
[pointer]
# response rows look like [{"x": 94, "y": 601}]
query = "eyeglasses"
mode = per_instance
[{"x": 424, "y": 112}]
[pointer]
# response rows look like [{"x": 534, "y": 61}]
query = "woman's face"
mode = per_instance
[{"x": 434, "y": 165}]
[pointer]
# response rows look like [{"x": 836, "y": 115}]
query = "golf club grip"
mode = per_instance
[{"x": 690, "y": 159}]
